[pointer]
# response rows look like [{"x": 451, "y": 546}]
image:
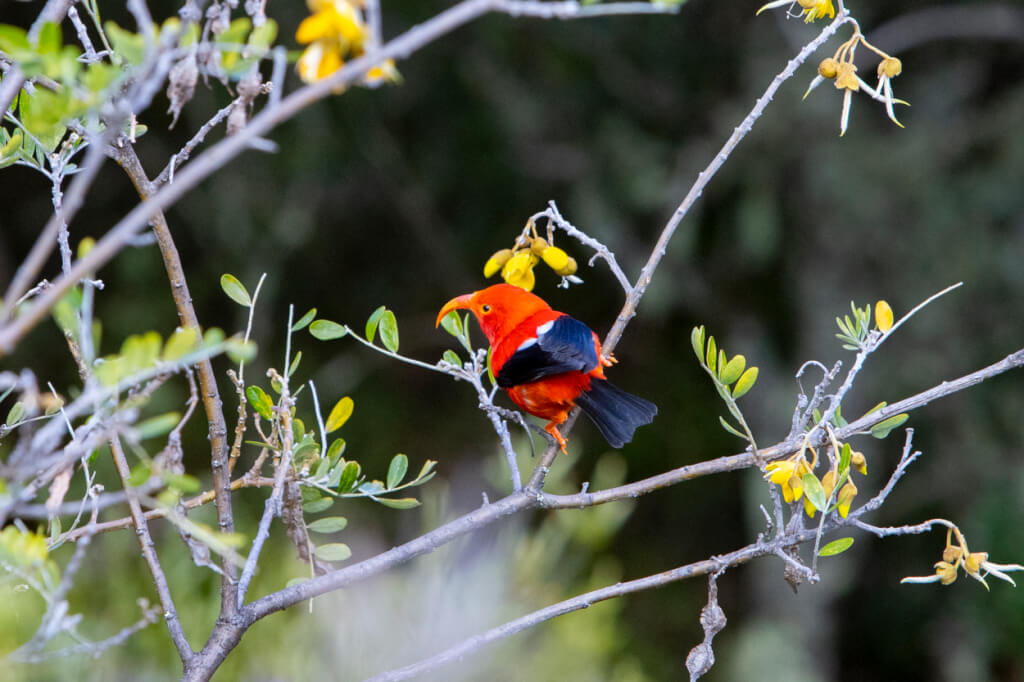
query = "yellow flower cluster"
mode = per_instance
[
  {"x": 809, "y": 9},
  {"x": 516, "y": 264},
  {"x": 840, "y": 69},
  {"x": 794, "y": 474},
  {"x": 335, "y": 31},
  {"x": 956, "y": 556}
]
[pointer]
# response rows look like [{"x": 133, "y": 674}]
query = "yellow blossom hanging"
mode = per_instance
[{"x": 335, "y": 31}]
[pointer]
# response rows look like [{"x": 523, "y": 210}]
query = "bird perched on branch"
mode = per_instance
[{"x": 549, "y": 363}]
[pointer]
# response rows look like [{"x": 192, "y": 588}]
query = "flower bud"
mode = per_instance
[
  {"x": 828, "y": 68},
  {"x": 495, "y": 262},
  {"x": 569, "y": 269},
  {"x": 858, "y": 462},
  {"x": 890, "y": 67},
  {"x": 537, "y": 245},
  {"x": 555, "y": 258}
]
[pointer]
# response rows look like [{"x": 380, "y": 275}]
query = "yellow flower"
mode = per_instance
[
  {"x": 845, "y": 499},
  {"x": 946, "y": 572},
  {"x": 332, "y": 20},
  {"x": 319, "y": 60},
  {"x": 496, "y": 261},
  {"x": 816, "y": 9},
  {"x": 883, "y": 316},
  {"x": 788, "y": 474},
  {"x": 518, "y": 271},
  {"x": 556, "y": 258}
]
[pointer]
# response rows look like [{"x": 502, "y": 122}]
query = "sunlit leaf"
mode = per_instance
[
  {"x": 295, "y": 363},
  {"x": 372, "y": 321},
  {"x": 452, "y": 323},
  {"x": 452, "y": 358},
  {"x": 235, "y": 290},
  {"x": 745, "y": 382},
  {"x": 389, "y": 331},
  {"x": 16, "y": 414},
  {"x": 340, "y": 413},
  {"x": 348, "y": 477},
  {"x": 836, "y": 547},
  {"x": 733, "y": 369},
  {"x": 712, "y": 354},
  {"x": 260, "y": 402},
  {"x": 697, "y": 340},
  {"x": 335, "y": 451},
  {"x": 182, "y": 342}
]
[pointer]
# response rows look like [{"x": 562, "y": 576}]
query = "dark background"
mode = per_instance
[{"x": 397, "y": 196}]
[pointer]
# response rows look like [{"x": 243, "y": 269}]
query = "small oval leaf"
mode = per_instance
[
  {"x": 883, "y": 428},
  {"x": 389, "y": 331},
  {"x": 326, "y": 330},
  {"x": 814, "y": 492},
  {"x": 836, "y": 547},
  {"x": 348, "y": 477},
  {"x": 372, "y": 321},
  {"x": 260, "y": 402},
  {"x": 235, "y": 290},
  {"x": 317, "y": 506},
  {"x": 304, "y": 320},
  {"x": 399, "y": 503},
  {"x": 339, "y": 414},
  {"x": 335, "y": 551},
  {"x": 328, "y": 524},
  {"x": 397, "y": 470},
  {"x": 697, "y": 340},
  {"x": 733, "y": 369},
  {"x": 745, "y": 382}
]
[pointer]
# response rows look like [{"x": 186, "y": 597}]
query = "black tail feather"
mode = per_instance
[{"x": 615, "y": 413}]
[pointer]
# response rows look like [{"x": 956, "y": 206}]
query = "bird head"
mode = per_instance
[{"x": 499, "y": 309}]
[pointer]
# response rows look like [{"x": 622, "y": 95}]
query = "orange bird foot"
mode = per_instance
[
  {"x": 552, "y": 428},
  {"x": 609, "y": 360}
]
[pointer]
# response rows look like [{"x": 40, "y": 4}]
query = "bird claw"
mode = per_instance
[
  {"x": 552, "y": 428},
  {"x": 609, "y": 360}
]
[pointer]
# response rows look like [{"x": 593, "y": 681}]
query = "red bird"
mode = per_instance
[{"x": 549, "y": 363}]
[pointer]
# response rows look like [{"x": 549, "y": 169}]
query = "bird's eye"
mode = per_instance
[{"x": 486, "y": 308}]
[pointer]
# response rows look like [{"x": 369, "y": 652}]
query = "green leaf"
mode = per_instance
[
  {"x": 263, "y": 36},
  {"x": 129, "y": 46},
  {"x": 183, "y": 482},
  {"x": 844, "y": 458},
  {"x": 349, "y": 477},
  {"x": 139, "y": 475},
  {"x": 452, "y": 358},
  {"x": 49, "y": 39},
  {"x": 428, "y": 466},
  {"x": 295, "y": 363},
  {"x": 372, "y": 321},
  {"x": 398, "y": 503},
  {"x": 730, "y": 428},
  {"x": 328, "y": 524},
  {"x": 157, "y": 426},
  {"x": 212, "y": 337},
  {"x": 335, "y": 451},
  {"x": 260, "y": 402},
  {"x": 335, "y": 551},
  {"x": 745, "y": 382},
  {"x": 13, "y": 40},
  {"x": 882, "y": 428},
  {"x": 16, "y": 414},
  {"x": 836, "y": 547},
  {"x": 318, "y": 505},
  {"x": 697, "y": 339},
  {"x": 712, "y": 354},
  {"x": 239, "y": 350},
  {"x": 182, "y": 342},
  {"x": 452, "y": 323},
  {"x": 397, "y": 470},
  {"x": 339, "y": 414},
  {"x": 733, "y": 369},
  {"x": 389, "y": 331},
  {"x": 814, "y": 492},
  {"x": 304, "y": 320},
  {"x": 876, "y": 408},
  {"x": 371, "y": 487},
  {"x": 325, "y": 330},
  {"x": 235, "y": 290}
]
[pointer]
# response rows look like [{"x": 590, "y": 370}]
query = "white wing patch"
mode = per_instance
[
  {"x": 526, "y": 344},
  {"x": 545, "y": 328}
]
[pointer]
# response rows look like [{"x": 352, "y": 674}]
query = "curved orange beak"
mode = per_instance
[{"x": 464, "y": 302}]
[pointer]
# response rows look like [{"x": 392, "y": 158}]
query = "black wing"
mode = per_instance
[{"x": 563, "y": 345}]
